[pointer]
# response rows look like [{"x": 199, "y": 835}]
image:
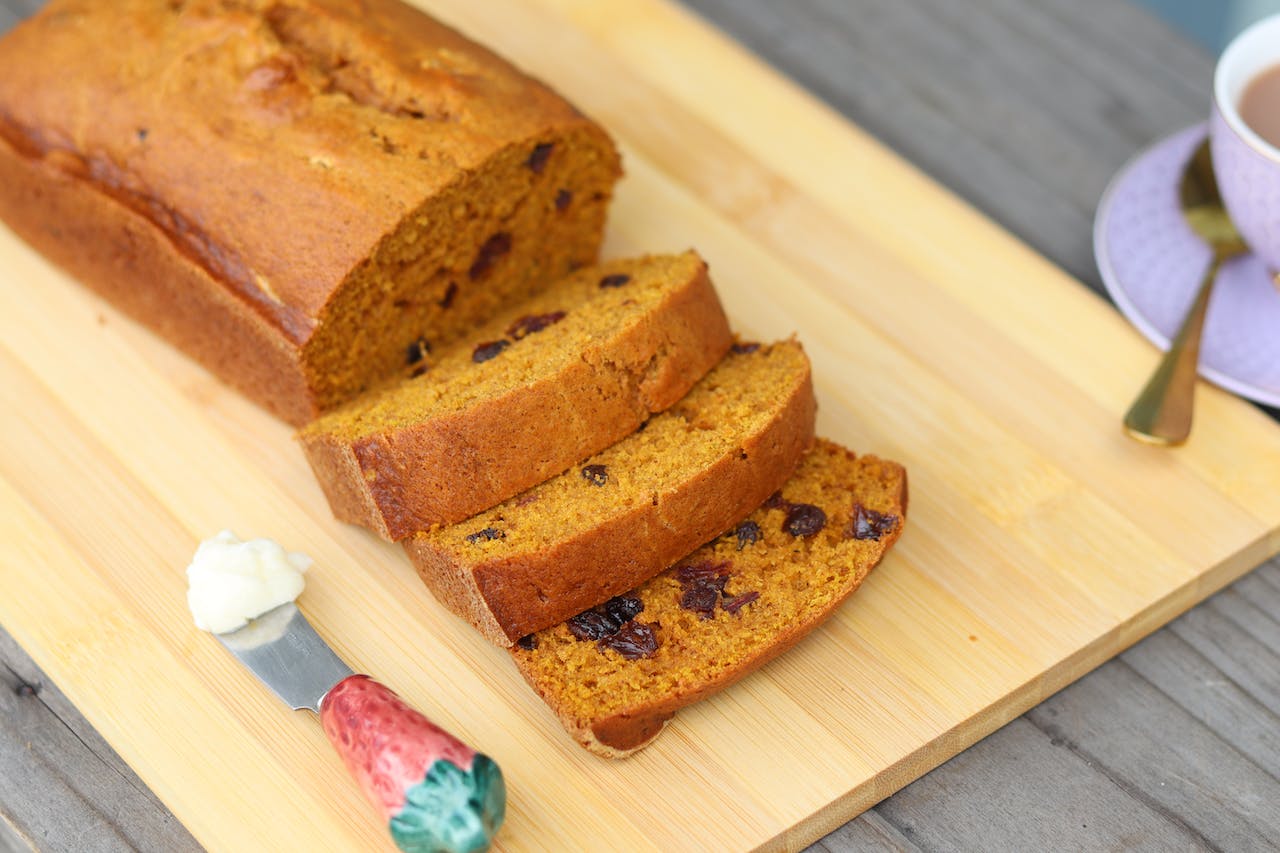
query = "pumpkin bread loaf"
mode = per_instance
[
  {"x": 292, "y": 191},
  {"x": 616, "y": 674},
  {"x": 547, "y": 382},
  {"x": 628, "y": 512}
]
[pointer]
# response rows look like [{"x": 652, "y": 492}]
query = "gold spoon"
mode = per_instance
[{"x": 1162, "y": 412}]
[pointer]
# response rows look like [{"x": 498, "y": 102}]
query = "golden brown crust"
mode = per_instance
[
  {"x": 280, "y": 148},
  {"x": 122, "y": 256},
  {"x": 446, "y": 468},
  {"x": 626, "y": 734},
  {"x": 506, "y": 597}
]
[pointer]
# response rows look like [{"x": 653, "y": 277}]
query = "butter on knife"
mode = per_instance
[{"x": 437, "y": 793}]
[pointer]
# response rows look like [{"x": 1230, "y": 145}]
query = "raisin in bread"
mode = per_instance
[
  {"x": 616, "y": 674},
  {"x": 547, "y": 382},
  {"x": 292, "y": 191},
  {"x": 626, "y": 513}
]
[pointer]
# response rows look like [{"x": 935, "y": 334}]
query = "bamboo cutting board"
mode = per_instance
[{"x": 1041, "y": 541}]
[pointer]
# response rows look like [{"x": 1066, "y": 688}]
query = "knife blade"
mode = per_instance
[
  {"x": 437, "y": 793},
  {"x": 286, "y": 653}
]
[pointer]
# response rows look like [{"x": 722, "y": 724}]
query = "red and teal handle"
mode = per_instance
[{"x": 438, "y": 794}]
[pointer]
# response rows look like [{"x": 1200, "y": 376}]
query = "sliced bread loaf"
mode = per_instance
[
  {"x": 544, "y": 384},
  {"x": 615, "y": 675},
  {"x": 628, "y": 512}
]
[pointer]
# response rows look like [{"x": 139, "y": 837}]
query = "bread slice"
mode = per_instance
[
  {"x": 546, "y": 383},
  {"x": 615, "y": 676},
  {"x": 626, "y": 513},
  {"x": 293, "y": 193}
]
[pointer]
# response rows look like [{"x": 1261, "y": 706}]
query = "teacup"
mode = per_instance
[{"x": 1246, "y": 165}]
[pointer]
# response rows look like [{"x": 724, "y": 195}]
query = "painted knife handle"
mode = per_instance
[{"x": 438, "y": 794}]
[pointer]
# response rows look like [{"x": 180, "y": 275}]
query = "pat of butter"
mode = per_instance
[{"x": 230, "y": 582}]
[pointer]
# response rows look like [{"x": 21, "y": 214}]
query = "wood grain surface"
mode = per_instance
[{"x": 936, "y": 813}]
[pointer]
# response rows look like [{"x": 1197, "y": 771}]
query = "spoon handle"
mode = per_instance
[{"x": 1162, "y": 412}]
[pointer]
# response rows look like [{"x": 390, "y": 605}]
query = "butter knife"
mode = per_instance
[{"x": 436, "y": 793}]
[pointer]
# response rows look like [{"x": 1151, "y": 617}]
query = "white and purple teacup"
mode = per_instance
[{"x": 1246, "y": 165}]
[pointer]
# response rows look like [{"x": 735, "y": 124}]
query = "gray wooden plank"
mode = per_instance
[
  {"x": 1160, "y": 754},
  {"x": 1125, "y": 46},
  {"x": 1188, "y": 678},
  {"x": 62, "y": 788},
  {"x": 1250, "y": 606},
  {"x": 11, "y": 840},
  {"x": 12, "y": 11},
  {"x": 869, "y": 832},
  {"x": 1021, "y": 790},
  {"x": 1264, "y": 586},
  {"x": 1240, "y": 640}
]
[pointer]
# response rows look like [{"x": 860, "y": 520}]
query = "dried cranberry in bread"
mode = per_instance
[
  {"x": 292, "y": 191},
  {"x": 615, "y": 675},
  {"x": 547, "y": 382},
  {"x": 626, "y": 513}
]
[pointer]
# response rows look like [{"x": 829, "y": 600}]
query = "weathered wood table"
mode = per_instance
[{"x": 1025, "y": 109}]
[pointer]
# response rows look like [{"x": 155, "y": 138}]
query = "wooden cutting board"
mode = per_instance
[{"x": 1041, "y": 541}]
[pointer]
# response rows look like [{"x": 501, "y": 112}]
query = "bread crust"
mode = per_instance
[
  {"x": 506, "y": 598},
  {"x": 122, "y": 256},
  {"x": 448, "y": 468}
]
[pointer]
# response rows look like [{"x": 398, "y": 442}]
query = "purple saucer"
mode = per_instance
[{"x": 1152, "y": 263}]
